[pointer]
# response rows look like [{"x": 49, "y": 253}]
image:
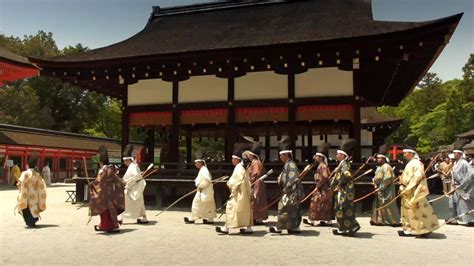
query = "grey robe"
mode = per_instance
[{"x": 462, "y": 200}]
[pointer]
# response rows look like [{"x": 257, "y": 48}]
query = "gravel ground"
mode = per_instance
[{"x": 63, "y": 237}]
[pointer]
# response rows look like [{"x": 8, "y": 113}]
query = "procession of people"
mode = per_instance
[{"x": 115, "y": 198}]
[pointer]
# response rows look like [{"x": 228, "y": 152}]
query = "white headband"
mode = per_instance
[
  {"x": 342, "y": 152},
  {"x": 285, "y": 151},
  {"x": 458, "y": 151},
  {"x": 236, "y": 157},
  {"x": 127, "y": 158},
  {"x": 409, "y": 150},
  {"x": 383, "y": 157},
  {"x": 321, "y": 155},
  {"x": 202, "y": 161},
  {"x": 252, "y": 153}
]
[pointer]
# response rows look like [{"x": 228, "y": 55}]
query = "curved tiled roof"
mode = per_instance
[
  {"x": 12, "y": 57},
  {"x": 208, "y": 27}
]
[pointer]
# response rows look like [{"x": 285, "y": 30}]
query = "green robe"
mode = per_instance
[
  {"x": 344, "y": 202},
  {"x": 289, "y": 216},
  {"x": 383, "y": 180}
]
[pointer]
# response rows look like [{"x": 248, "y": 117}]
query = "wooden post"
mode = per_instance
[
  {"x": 173, "y": 155},
  {"x": 230, "y": 136},
  {"x": 310, "y": 143},
  {"x": 150, "y": 145},
  {"x": 125, "y": 119},
  {"x": 355, "y": 129},
  {"x": 267, "y": 143},
  {"x": 189, "y": 146},
  {"x": 291, "y": 112}
]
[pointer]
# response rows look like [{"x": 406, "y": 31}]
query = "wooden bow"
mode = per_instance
[
  {"x": 373, "y": 192},
  {"x": 363, "y": 165},
  {"x": 401, "y": 193},
  {"x": 300, "y": 177},
  {"x": 446, "y": 195},
  {"x": 187, "y": 194},
  {"x": 459, "y": 216},
  {"x": 263, "y": 177},
  {"x": 330, "y": 176}
]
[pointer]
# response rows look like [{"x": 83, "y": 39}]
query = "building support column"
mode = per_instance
[
  {"x": 173, "y": 155},
  {"x": 125, "y": 119},
  {"x": 150, "y": 145},
  {"x": 310, "y": 151},
  {"x": 189, "y": 146},
  {"x": 355, "y": 129},
  {"x": 291, "y": 112},
  {"x": 231, "y": 129},
  {"x": 267, "y": 143}
]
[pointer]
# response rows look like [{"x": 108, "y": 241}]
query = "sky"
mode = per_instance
[{"x": 97, "y": 23}]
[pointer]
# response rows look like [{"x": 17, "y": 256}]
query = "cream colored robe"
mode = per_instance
[
  {"x": 418, "y": 216},
  {"x": 32, "y": 193},
  {"x": 238, "y": 210},
  {"x": 15, "y": 173},
  {"x": 204, "y": 205},
  {"x": 134, "y": 187},
  {"x": 46, "y": 174}
]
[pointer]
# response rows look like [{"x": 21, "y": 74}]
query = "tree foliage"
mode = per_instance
[
  {"x": 52, "y": 104},
  {"x": 436, "y": 111}
]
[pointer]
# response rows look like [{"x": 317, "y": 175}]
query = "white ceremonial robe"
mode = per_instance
[
  {"x": 238, "y": 210},
  {"x": 204, "y": 205},
  {"x": 134, "y": 187},
  {"x": 46, "y": 174}
]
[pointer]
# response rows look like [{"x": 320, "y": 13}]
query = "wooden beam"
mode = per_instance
[
  {"x": 231, "y": 134},
  {"x": 189, "y": 145},
  {"x": 291, "y": 112},
  {"x": 267, "y": 143},
  {"x": 125, "y": 122},
  {"x": 356, "y": 125},
  {"x": 310, "y": 143},
  {"x": 173, "y": 155},
  {"x": 150, "y": 145}
]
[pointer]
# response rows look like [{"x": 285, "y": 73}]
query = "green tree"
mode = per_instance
[
  {"x": 467, "y": 91},
  {"x": 435, "y": 112},
  {"x": 78, "y": 48},
  {"x": 64, "y": 107},
  {"x": 21, "y": 107},
  {"x": 108, "y": 122}
]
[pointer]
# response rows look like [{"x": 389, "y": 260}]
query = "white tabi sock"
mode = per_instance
[{"x": 248, "y": 229}]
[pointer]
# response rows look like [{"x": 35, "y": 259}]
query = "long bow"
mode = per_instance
[
  {"x": 401, "y": 193},
  {"x": 263, "y": 177},
  {"x": 187, "y": 194}
]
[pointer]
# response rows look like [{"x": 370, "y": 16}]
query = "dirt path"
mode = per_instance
[{"x": 64, "y": 238}]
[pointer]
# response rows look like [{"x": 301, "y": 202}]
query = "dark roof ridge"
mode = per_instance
[
  {"x": 41, "y": 131},
  {"x": 12, "y": 57},
  {"x": 213, "y": 6}
]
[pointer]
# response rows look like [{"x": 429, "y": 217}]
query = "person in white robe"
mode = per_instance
[
  {"x": 134, "y": 187},
  {"x": 46, "y": 174},
  {"x": 239, "y": 214},
  {"x": 204, "y": 204}
]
